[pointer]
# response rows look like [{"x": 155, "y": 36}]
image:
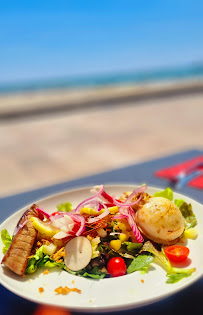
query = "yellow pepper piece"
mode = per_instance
[
  {"x": 113, "y": 210},
  {"x": 90, "y": 211},
  {"x": 115, "y": 244},
  {"x": 44, "y": 228},
  {"x": 85, "y": 210},
  {"x": 191, "y": 233}
]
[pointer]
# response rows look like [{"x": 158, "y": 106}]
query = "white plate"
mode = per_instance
[{"x": 109, "y": 294}]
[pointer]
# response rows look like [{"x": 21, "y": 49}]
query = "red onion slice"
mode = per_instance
[
  {"x": 110, "y": 205},
  {"x": 107, "y": 197},
  {"x": 124, "y": 211},
  {"x": 129, "y": 215},
  {"x": 95, "y": 204},
  {"x": 42, "y": 212},
  {"x": 104, "y": 196},
  {"x": 135, "y": 229},
  {"x": 135, "y": 192},
  {"x": 81, "y": 220},
  {"x": 56, "y": 217},
  {"x": 120, "y": 204},
  {"x": 99, "y": 217},
  {"x": 119, "y": 217},
  {"x": 79, "y": 207}
]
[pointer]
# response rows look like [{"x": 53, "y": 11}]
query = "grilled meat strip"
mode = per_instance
[{"x": 17, "y": 256}]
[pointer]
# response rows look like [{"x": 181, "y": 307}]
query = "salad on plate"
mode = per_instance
[{"x": 105, "y": 236}]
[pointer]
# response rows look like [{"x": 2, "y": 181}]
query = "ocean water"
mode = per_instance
[{"x": 140, "y": 77}]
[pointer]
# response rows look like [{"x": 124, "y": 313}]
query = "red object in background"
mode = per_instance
[
  {"x": 50, "y": 310},
  {"x": 171, "y": 172}
]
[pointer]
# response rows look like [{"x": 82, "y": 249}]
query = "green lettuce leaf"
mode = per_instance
[
  {"x": 179, "y": 202},
  {"x": 174, "y": 274},
  {"x": 6, "y": 240},
  {"x": 39, "y": 253},
  {"x": 173, "y": 278},
  {"x": 188, "y": 214},
  {"x": 40, "y": 259},
  {"x": 35, "y": 261},
  {"x": 149, "y": 247},
  {"x": 167, "y": 193},
  {"x": 51, "y": 263},
  {"x": 65, "y": 207},
  {"x": 140, "y": 263}
]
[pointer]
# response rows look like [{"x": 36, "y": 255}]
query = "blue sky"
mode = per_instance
[{"x": 52, "y": 39}]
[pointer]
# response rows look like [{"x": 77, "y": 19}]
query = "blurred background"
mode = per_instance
[{"x": 89, "y": 86}]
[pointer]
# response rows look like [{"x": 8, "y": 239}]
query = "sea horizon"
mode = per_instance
[{"x": 119, "y": 78}]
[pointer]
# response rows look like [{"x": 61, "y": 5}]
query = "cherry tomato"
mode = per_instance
[
  {"x": 177, "y": 253},
  {"x": 116, "y": 267}
]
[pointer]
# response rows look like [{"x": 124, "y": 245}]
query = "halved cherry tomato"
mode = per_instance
[
  {"x": 116, "y": 267},
  {"x": 177, "y": 253}
]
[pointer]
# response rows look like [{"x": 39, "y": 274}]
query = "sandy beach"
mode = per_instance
[
  {"x": 38, "y": 102},
  {"x": 38, "y": 150}
]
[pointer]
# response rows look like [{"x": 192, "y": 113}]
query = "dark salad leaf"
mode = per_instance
[
  {"x": 132, "y": 247},
  {"x": 94, "y": 273},
  {"x": 188, "y": 214}
]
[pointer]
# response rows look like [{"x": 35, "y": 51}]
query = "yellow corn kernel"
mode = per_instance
[
  {"x": 113, "y": 210},
  {"x": 191, "y": 233},
  {"x": 123, "y": 237},
  {"x": 115, "y": 244},
  {"x": 122, "y": 226}
]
